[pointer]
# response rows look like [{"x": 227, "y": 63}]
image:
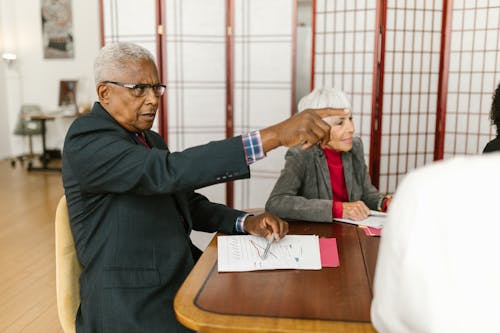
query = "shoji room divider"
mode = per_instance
[
  {"x": 420, "y": 74},
  {"x": 195, "y": 37},
  {"x": 473, "y": 74},
  {"x": 263, "y": 84},
  {"x": 343, "y": 55},
  {"x": 228, "y": 66},
  {"x": 409, "y": 75}
]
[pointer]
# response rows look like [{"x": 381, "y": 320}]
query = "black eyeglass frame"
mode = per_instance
[{"x": 140, "y": 89}]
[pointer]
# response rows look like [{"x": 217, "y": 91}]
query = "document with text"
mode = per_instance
[
  {"x": 241, "y": 253},
  {"x": 374, "y": 220}
]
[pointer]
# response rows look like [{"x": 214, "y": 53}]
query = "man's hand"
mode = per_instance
[
  {"x": 265, "y": 224},
  {"x": 356, "y": 210},
  {"x": 306, "y": 127}
]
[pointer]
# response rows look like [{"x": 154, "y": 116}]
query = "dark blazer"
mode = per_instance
[
  {"x": 492, "y": 146},
  {"x": 303, "y": 190},
  {"x": 131, "y": 212}
]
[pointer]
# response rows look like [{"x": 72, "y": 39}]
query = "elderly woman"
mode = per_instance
[
  {"x": 494, "y": 145},
  {"x": 323, "y": 183}
]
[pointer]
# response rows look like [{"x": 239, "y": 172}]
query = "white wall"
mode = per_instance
[
  {"x": 34, "y": 79},
  {"x": 5, "y": 149}
]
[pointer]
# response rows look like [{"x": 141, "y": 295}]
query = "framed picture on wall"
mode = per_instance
[{"x": 57, "y": 29}]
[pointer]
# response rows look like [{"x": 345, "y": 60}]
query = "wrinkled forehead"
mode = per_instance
[
  {"x": 131, "y": 71},
  {"x": 333, "y": 119}
]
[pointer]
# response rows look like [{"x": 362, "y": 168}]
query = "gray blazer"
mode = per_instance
[{"x": 303, "y": 190}]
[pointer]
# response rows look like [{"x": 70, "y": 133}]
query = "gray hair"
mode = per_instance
[
  {"x": 324, "y": 98},
  {"x": 114, "y": 58}
]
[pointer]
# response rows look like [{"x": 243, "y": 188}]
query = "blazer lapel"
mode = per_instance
[
  {"x": 322, "y": 166},
  {"x": 135, "y": 139},
  {"x": 155, "y": 141}
]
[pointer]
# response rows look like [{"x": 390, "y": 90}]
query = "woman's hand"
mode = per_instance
[{"x": 356, "y": 210}]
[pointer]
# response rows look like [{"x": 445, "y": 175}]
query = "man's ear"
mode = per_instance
[{"x": 103, "y": 93}]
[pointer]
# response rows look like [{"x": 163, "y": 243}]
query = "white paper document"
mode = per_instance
[
  {"x": 374, "y": 220},
  {"x": 241, "y": 253}
]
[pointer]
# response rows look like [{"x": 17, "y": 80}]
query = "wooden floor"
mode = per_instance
[{"x": 27, "y": 265}]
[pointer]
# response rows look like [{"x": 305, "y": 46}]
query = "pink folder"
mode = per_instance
[
  {"x": 369, "y": 231},
  {"x": 328, "y": 252}
]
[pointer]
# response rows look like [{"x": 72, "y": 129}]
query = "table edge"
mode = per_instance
[{"x": 192, "y": 316}]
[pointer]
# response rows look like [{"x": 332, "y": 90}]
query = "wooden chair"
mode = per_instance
[{"x": 68, "y": 270}]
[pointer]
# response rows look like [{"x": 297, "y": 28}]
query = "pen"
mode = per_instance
[{"x": 268, "y": 246}]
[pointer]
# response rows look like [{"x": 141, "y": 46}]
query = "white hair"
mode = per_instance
[
  {"x": 324, "y": 98},
  {"x": 114, "y": 58}
]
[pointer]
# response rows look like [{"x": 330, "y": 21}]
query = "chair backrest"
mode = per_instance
[
  {"x": 24, "y": 125},
  {"x": 68, "y": 270}
]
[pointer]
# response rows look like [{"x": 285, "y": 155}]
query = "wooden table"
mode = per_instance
[{"x": 329, "y": 300}]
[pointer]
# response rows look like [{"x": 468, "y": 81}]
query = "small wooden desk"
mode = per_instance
[{"x": 329, "y": 300}]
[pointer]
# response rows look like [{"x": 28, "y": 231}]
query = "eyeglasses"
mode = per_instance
[{"x": 140, "y": 89}]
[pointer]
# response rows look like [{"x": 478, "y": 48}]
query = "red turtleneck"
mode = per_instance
[{"x": 337, "y": 180}]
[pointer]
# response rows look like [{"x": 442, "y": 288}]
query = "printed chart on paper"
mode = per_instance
[{"x": 244, "y": 253}]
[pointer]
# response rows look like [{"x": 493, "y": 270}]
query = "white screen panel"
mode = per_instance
[
  {"x": 196, "y": 69},
  {"x": 263, "y": 85}
]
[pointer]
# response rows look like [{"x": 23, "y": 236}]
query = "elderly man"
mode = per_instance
[{"x": 132, "y": 203}]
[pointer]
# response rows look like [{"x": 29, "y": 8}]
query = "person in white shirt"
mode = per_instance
[{"x": 438, "y": 268}]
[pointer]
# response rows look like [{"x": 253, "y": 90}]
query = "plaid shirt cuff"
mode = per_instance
[
  {"x": 252, "y": 144},
  {"x": 238, "y": 226}
]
